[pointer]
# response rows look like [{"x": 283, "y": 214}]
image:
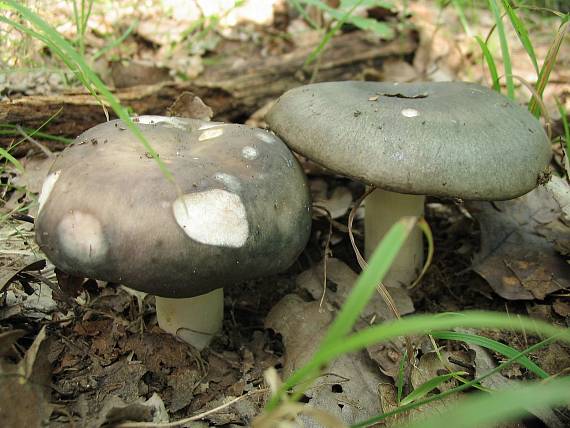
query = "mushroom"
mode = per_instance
[
  {"x": 452, "y": 139},
  {"x": 241, "y": 212}
]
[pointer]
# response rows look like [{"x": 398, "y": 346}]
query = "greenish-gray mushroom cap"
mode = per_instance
[
  {"x": 107, "y": 211},
  {"x": 451, "y": 139}
]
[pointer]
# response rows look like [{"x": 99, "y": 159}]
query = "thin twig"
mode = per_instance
[
  {"x": 39, "y": 145},
  {"x": 191, "y": 418}
]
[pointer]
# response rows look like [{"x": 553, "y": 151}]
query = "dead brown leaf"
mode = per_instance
[
  {"x": 485, "y": 363},
  {"x": 517, "y": 258},
  {"x": 562, "y": 307},
  {"x": 431, "y": 365},
  {"x": 24, "y": 388},
  {"x": 115, "y": 410},
  {"x": 16, "y": 271},
  {"x": 338, "y": 203},
  {"x": 388, "y": 394},
  {"x": 190, "y": 105},
  {"x": 347, "y": 389},
  {"x": 340, "y": 280}
]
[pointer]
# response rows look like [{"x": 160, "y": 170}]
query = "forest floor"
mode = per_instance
[{"x": 92, "y": 353}]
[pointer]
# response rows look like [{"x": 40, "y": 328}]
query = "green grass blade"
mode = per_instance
[
  {"x": 363, "y": 290},
  {"x": 522, "y": 33},
  {"x": 494, "y": 7},
  {"x": 494, "y": 346},
  {"x": 79, "y": 67},
  {"x": 401, "y": 375},
  {"x": 427, "y": 324},
  {"x": 424, "y": 227},
  {"x": 329, "y": 34},
  {"x": 413, "y": 325},
  {"x": 548, "y": 65},
  {"x": 81, "y": 21},
  {"x": 541, "y": 9},
  {"x": 381, "y": 29},
  {"x": 320, "y": 4},
  {"x": 115, "y": 42},
  {"x": 426, "y": 387},
  {"x": 490, "y": 63},
  {"x": 463, "y": 387},
  {"x": 303, "y": 13},
  {"x": 379, "y": 265},
  {"x": 76, "y": 20},
  {"x": 565, "y": 125},
  {"x": 489, "y": 409},
  {"x": 5, "y": 154},
  {"x": 458, "y": 5},
  {"x": 28, "y": 31},
  {"x": 8, "y": 130}
]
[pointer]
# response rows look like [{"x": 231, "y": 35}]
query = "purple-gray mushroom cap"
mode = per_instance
[{"x": 107, "y": 211}]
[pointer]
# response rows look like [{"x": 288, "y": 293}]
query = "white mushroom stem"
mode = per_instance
[
  {"x": 195, "y": 320},
  {"x": 383, "y": 209}
]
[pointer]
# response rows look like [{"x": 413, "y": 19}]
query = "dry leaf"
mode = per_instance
[
  {"x": 340, "y": 280},
  {"x": 338, "y": 203},
  {"x": 484, "y": 363},
  {"x": 517, "y": 262},
  {"x": 24, "y": 388},
  {"x": 347, "y": 388},
  {"x": 191, "y": 106}
]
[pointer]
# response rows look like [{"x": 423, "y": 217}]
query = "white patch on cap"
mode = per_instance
[
  {"x": 81, "y": 238},
  {"x": 208, "y": 134},
  {"x": 230, "y": 181},
  {"x": 266, "y": 137},
  {"x": 163, "y": 120},
  {"x": 410, "y": 112},
  {"x": 214, "y": 217},
  {"x": 209, "y": 125},
  {"x": 47, "y": 187},
  {"x": 249, "y": 153}
]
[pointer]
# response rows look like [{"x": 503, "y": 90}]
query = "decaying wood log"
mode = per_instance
[{"x": 232, "y": 92}]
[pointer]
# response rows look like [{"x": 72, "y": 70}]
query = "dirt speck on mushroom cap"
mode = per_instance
[
  {"x": 144, "y": 234},
  {"x": 444, "y": 139}
]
